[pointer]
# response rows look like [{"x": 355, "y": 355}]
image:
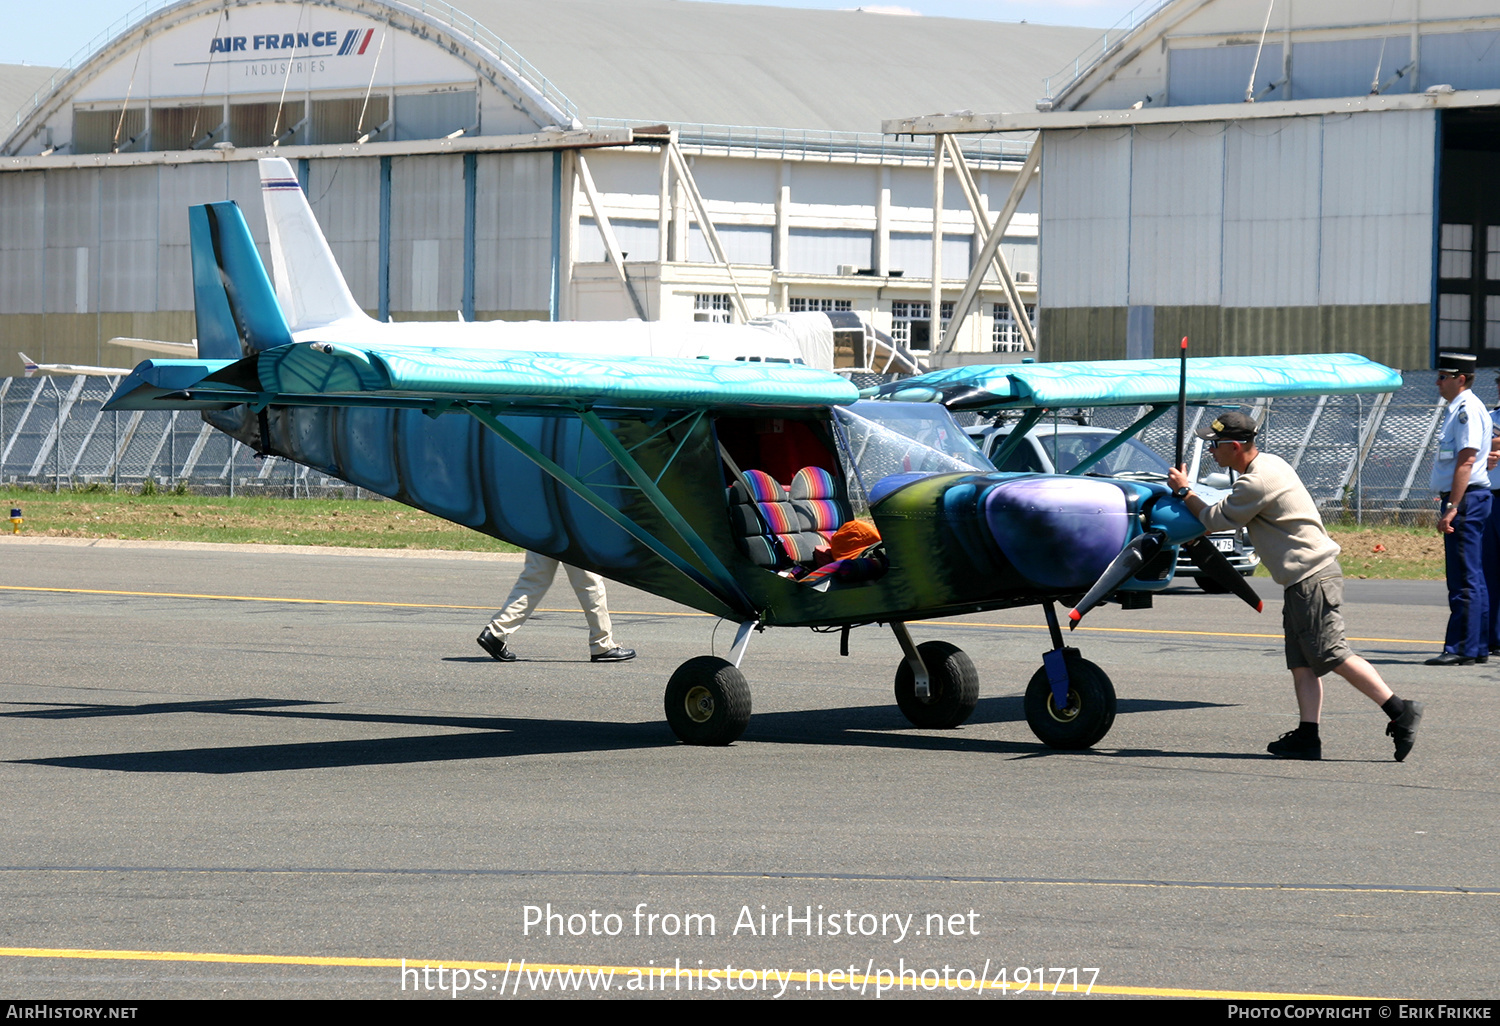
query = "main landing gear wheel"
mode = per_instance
[
  {"x": 953, "y": 686},
  {"x": 1089, "y": 714},
  {"x": 708, "y": 702}
]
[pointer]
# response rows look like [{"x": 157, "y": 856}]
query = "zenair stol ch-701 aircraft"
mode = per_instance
[{"x": 715, "y": 483}]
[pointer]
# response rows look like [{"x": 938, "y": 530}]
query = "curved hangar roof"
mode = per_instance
[
  {"x": 212, "y": 71},
  {"x": 1200, "y": 52}
]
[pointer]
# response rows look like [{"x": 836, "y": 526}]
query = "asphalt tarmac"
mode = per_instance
[{"x": 279, "y": 773}]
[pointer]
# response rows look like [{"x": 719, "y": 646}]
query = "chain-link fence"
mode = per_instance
[
  {"x": 54, "y": 434},
  {"x": 1364, "y": 458}
]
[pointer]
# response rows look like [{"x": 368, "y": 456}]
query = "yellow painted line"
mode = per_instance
[
  {"x": 637, "y": 612},
  {"x": 513, "y": 971},
  {"x": 308, "y": 601},
  {"x": 1144, "y": 630}
]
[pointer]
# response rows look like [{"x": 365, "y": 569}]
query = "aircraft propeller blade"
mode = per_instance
[
  {"x": 1136, "y": 554},
  {"x": 1212, "y": 562}
]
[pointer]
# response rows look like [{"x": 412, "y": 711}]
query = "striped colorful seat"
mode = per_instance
[
  {"x": 816, "y": 496},
  {"x": 770, "y": 530}
]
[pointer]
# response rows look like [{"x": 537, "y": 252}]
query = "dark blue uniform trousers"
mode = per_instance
[
  {"x": 1492, "y": 571},
  {"x": 1468, "y": 598}
]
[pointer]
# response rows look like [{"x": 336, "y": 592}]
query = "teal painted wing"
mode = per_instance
[
  {"x": 324, "y": 374},
  {"x": 1140, "y": 382}
]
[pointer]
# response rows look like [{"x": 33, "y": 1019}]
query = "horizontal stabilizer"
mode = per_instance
[
  {"x": 324, "y": 374},
  {"x": 1139, "y": 382}
]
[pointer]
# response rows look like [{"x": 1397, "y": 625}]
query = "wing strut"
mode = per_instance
[{"x": 717, "y": 583}]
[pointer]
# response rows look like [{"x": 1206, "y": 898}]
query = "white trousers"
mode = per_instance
[{"x": 536, "y": 577}]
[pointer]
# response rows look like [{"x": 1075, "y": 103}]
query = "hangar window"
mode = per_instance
[
  {"x": 258, "y": 124},
  {"x": 1468, "y": 238},
  {"x": 798, "y": 304},
  {"x": 1006, "y": 336},
  {"x": 713, "y": 308},
  {"x": 636, "y": 238},
  {"x": 338, "y": 121},
  {"x": 911, "y": 322},
  {"x": 95, "y": 131},
  {"x": 178, "y": 128}
]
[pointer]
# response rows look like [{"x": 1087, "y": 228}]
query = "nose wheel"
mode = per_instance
[{"x": 1084, "y": 718}]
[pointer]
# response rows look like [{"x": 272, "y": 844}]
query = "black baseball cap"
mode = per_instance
[{"x": 1231, "y": 426}]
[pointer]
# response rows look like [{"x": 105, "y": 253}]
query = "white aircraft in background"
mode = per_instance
[
  {"x": 33, "y": 368},
  {"x": 319, "y": 307}
]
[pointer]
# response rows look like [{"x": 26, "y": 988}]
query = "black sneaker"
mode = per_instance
[
  {"x": 1404, "y": 729},
  {"x": 614, "y": 655},
  {"x": 1296, "y": 745},
  {"x": 495, "y": 646}
]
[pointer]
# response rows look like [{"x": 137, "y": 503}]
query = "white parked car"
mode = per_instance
[{"x": 1049, "y": 449}]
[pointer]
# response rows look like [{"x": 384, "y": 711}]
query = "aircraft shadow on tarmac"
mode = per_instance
[{"x": 504, "y": 737}]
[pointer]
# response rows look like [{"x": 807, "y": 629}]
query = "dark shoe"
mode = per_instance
[
  {"x": 495, "y": 646},
  {"x": 614, "y": 655},
  {"x": 1482, "y": 659},
  {"x": 1404, "y": 729},
  {"x": 1450, "y": 659},
  {"x": 1296, "y": 745}
]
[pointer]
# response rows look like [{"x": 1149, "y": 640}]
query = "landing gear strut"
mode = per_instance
[{"x": 937, "y": 686}]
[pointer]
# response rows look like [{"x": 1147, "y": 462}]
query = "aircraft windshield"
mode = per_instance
[
  {"x": 903, "y": 438},
  {"x": 1068, "y": 450}
]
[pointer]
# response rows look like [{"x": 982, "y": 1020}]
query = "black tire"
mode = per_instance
[
  {"x": 1090, "y": 712},
  {"x": 708, "y": 702},
  {"x": 953, "y": 683}
]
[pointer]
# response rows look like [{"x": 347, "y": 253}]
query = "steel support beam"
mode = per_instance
[{"x": 989, "y": 253}]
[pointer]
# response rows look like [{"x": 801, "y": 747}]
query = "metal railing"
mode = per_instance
[
  {"x": 814, "y": 143},
  {"x": 434, "y": 10},
  {"x": 1096, "y": 52}
]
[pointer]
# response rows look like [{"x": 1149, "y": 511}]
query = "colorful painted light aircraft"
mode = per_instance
[{"x": 715, "y": 483}]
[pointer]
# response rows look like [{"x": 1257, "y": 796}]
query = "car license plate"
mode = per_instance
[{"x": 1224, "y": 544}]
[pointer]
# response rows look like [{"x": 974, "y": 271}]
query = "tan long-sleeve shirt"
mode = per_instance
[{"x": 1270, "y": 501}]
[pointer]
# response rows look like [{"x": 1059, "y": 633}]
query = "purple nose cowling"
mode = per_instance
[{"x": 1060, "y": 533}]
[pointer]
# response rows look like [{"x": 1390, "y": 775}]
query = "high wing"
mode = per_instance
[
  {"x": 1036, "y": 389},
  {"x": 437, "y": 379},
  {"x": 1143, "y": 382}
]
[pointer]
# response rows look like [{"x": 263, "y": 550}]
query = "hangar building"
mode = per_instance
[
  {"x": 487, "y": 163},
  {"x": 1271, "y": 176}
]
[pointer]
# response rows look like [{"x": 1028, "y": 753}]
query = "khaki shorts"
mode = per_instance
[{"x": 1313, "y": 624}]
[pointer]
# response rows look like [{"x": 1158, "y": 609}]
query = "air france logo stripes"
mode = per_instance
[
  {"x": 354, "y": 36},
  {"x": 279, "y": 184}
]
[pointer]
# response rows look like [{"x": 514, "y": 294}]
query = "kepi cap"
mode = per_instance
[
  {"x": 1457, "y": 363},
  {"x": 1231, "y": 426}
]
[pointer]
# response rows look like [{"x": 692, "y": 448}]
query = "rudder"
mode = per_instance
[{"x": 235, "y": 308}]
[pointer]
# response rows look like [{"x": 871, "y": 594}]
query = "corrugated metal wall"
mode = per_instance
[
  {"x": 1285, "y": 235},
  {"x": 1086, "y": 218},
  {"x": 345, "y": 197},
  {"x": 427, "y": 234},
  {"x": 90, "y": 253}
]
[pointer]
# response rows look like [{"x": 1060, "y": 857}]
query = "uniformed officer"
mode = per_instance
[{"x": 1462, "y": 482}]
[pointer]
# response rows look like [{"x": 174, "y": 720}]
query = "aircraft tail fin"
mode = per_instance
[
  {"x": 309, "y": 284},
  {"x": 235, "y": 306},
  {"x": 28, "y": 363}
]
